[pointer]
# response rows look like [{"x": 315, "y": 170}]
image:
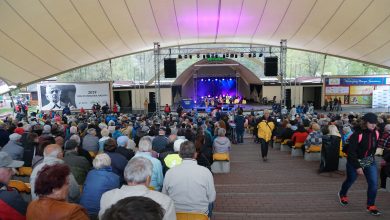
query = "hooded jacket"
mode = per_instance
[{"x": 221, "y": 145}]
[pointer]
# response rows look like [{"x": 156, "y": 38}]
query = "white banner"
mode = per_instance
[
  {"x": 55, "y": 96},
  {"x": 329, "y": 90}
]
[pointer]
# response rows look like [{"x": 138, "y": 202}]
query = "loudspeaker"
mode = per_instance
[
  {"x": 152, "y": 97},
  {"x": 151, "y": 107},
  {"x": 170, "y": 67},
  {"x": 270, "y": 66}
]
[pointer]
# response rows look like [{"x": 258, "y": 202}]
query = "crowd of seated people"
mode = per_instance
[
  {"x": 91, "y": 152},
  {"x": 106, "y": 158}
]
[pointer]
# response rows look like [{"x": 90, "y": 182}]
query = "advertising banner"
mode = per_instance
[
  {"x": 333, "y": 90},
  {"x": 357, "y": 81},
  {"x": 361, "y": 90},
  {"x": 55, "y": 96},
  {"x": 360, "y": 100}
]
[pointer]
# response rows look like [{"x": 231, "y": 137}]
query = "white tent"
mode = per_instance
[{"x": 42, "y": 38}]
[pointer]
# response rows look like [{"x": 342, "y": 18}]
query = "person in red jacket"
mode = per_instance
[
  {"x": 12, "y": 205},
  {"x": 299, "y": 135},
  {"x": 167, "y": 109}
]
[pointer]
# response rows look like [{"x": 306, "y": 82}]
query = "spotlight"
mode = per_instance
[
  {"x": 216, "y": 79},
  {"x": 223, "y": 79},
  {"x": 209, "y": 95},
  {"x": 261, "y": 54},
  {"x": 224, "y": 56},
  {"x": 202, "y": 97},
  {"x": 197, "y": 55},
  {"x": 185, "y": 56},
  {"x": 231, "y": 55},
  {"x": 201, "y": 80},
  {"x": 254, "y": 54},
  {"x": 235, "y": 56},
  {"x": 204, "y": 56},
  {"x": 180, "y": 57},
  {"x": 250, "y": 55},
  {"x": 230, "y": 79},
  {"x": 208, "y": 55},
  {"x": 190, "y": 56},
  {"x": 242, "y": 55},
  {"x": 208, "y": 80}
]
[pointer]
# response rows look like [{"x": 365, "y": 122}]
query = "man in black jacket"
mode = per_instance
[
  {"x": 361, "y": 161},
  {"x": 12, "y": 204}
]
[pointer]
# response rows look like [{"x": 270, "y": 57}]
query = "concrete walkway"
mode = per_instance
[{"x": 286, "y": 188}]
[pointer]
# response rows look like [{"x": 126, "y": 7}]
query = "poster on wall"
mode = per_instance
[
  {"x": 361, "y": 90},
  {"x": 360, "y": 100},
  {"x": 330, "y": 90},
  {"x": 55, "y": 96}
]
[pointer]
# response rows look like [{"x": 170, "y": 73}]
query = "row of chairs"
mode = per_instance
[{"x": 313, "y": 153}]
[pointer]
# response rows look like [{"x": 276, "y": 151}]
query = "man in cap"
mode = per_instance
[
  {"x": 361, "y": 161},
  {"x": 53, "y": 95},
  {"x": 12, "y": 204},
  {"x": 160, "y": 142},
  {"x": 14, "y": 147}
]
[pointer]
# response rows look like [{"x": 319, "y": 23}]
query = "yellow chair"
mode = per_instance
[
  {"x": 298, "y": 145},
  {"x": 93, "y": 154},
  {"x": 221, "y": 156},
  {"x": 20, "y": 186},
  {"x": 151, "y": 188},
  {"x": 191, "y": 216},
  {"x": 278, "y": 140},
  {"x": 314, "y": 149},
  {"x": 286, "y": 141},
  {"x": 24, "y": 171}
]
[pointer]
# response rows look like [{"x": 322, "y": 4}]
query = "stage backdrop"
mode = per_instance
[
  {"x": 76, "y": 95},
  {"x": 216, "y": 86}
]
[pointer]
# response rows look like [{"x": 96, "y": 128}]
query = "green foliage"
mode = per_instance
[{"x": 140, "y": 67}]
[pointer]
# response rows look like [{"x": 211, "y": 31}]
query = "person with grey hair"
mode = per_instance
[
  {"x": 53, "y": 155},
  {"x": 91, "y": 141},
  {"x": 14, "y": 147},
  {"x": 221, "y": 144},
  {"x": 145, "y": 150},
  {"x": 138, "y": 174},
  {"x": 189, "y": 175},
  {"x": 99, "y": 180}
]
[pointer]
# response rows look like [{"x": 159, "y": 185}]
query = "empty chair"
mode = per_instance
[{"x": 313, "y": 153}]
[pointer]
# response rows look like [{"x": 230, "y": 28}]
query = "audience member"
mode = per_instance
[
  {"x": 145, "y": 148},
  {"x": 14, "y": 147},
  {"x": 189, "y": 185},
  {"x": 99, "y": 180},
  {"x": 52, "y": 186},
  {"x": 138, "y": 174},
  {"x": 79, "y": 165},
  {"x": 11, "y": 202},
  {"x": 53, "y": 155}
]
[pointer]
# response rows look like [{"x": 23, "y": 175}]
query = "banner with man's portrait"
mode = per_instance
[{"x": 55, "y": 96}]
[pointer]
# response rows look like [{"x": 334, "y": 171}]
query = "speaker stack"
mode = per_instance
[
  {"x": 271, "y": 66},
  {"x": 170, "y": 68}
]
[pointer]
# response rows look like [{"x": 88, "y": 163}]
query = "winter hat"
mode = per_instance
[
  {"x": 370, "y": 118},
  {"x": 15, "y": 137}
]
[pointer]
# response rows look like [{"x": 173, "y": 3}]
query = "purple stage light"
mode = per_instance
[{"x": 201, "y": 80}]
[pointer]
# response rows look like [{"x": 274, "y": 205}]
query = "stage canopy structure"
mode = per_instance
[{"x": 43, "y": 38}]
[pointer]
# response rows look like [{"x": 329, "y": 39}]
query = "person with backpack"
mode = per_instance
[{"x": 361, "y": 161}]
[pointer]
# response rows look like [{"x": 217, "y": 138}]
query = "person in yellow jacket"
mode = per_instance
[{"x": 264, "y": 133}]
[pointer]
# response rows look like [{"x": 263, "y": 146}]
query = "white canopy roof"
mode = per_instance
[{"x": 41, "y": 38}]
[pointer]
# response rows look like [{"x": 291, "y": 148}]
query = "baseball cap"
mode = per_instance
[{"x": 6, "y": 161}]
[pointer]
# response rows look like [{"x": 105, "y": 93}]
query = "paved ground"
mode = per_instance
[{"x": 286, "y": 188}]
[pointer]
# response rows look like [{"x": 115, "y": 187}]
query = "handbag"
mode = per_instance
[{"x": 366, "y": 162}]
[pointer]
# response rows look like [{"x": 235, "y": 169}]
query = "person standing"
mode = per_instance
[
  {"x": 361, "y": 161},
  {"x": 264, "y": 133},
  {"x": 146, "y": 103},
  {"x": 239, "y": 120}
]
